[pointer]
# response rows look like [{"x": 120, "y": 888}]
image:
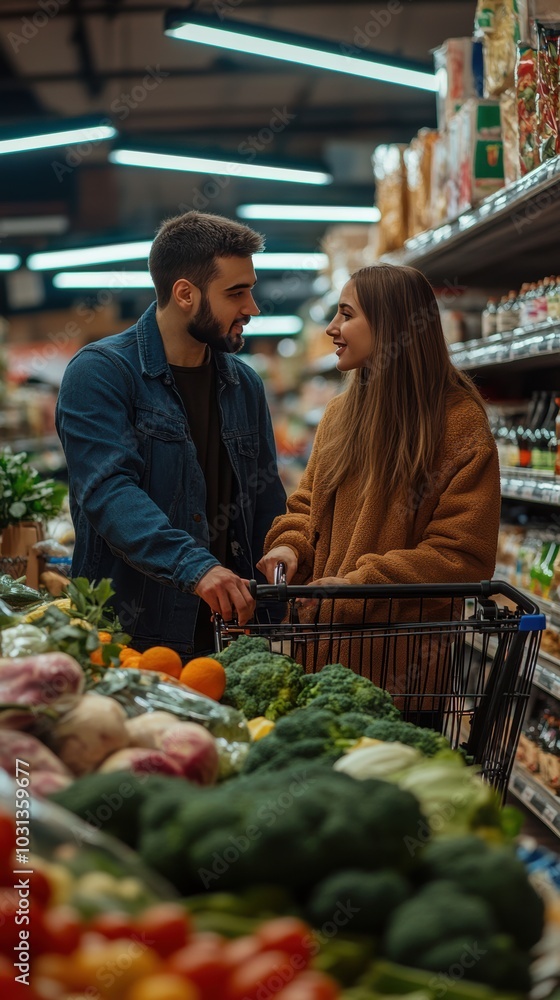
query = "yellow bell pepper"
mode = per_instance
[{"x": 259, "y": 727}]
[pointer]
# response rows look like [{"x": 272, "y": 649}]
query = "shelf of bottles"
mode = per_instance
[
  {"x": 536, "y": 797},
  {"x": 528, "y": 484},
  {"x": 520, "y": 344}
]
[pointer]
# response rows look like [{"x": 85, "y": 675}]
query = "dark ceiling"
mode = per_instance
[{"x": 68, "y": 58}]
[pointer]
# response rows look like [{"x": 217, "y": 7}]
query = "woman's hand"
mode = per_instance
[
  {"x": 281, "y": 554},
  {"x": 328, "y": 582}
]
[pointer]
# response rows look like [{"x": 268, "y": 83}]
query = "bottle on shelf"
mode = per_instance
[
  {"x": 531, "y": 310},
  {"x": 541, "y": 454},
  {"x": 526, "y": 429},
  {"x": 541, "y": 301},
  {"x": 554, "y": 300},
  {"x": 543, "y": 569},
  {"x": 489, "y": 325},
  {"x": 522, "y": 303},
  {"x": 557, "y": 456},
  {"x": 507, "y": 315}
]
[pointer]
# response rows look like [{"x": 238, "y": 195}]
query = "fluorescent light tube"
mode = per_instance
[
  {"x": 89, "y": 255},
  {"x": 258, "y": 41},
  {"x": 290, "y": 261},
  {"x": 102, "y": 279},
  {"x": 9, "y": 261},
  {"x": 273, "y": 326},
  {"x": 204, "y": 165},
  {"x": 67, "y": 137},
  {"x": 309, "y": 213}
]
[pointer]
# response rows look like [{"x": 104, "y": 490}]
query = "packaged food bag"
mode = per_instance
[
  {"x": 500, "y": 43},
  {"x": 526, "y": 95},
  {"x": 510, "y": 135},
  {"x": 391, "y": 196},
  {"x": 418, "y": 161},
  {"x": 481, "y": 157},
  {"x": 453, "y": 65},
  {"x": 439, "y": 180},
  {"x": 547, "y": 104}
]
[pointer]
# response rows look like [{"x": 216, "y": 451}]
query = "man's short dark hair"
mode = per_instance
[{"x": 187, "y": 246}]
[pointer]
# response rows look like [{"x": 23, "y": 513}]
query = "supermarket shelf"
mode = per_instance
[
  {"x": 511, "y": 233},
  {"x": 533, "y": 347},
  {"x": 532, "y": 485},
  {"x": 547, "y": 675},
  {"x": 536, "y": 797}
]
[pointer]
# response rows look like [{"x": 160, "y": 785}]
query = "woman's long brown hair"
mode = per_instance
[{"x": 393, "y": 415}]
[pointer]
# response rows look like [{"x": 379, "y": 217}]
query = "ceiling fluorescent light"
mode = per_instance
[
  {"x": 309, "y": 213},
  {"x": 290, "y": 261},
  {"x": 9, "y": 261},
  {"x": 117, "y": 280},
  {"x": 57, "y": 137},
  {"x": 34, "y": 225},
  {"x": 258, "y": 41},
  {"x": 274, "y": 326},
  {"x": 204, "y": 165},
  {"x": 107, "y": 254}
]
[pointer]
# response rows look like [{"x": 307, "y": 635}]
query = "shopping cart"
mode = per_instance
[{"x": 453, "y": 658}]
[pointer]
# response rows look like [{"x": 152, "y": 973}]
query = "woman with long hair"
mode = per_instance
[{"x": 402, "y": 486}]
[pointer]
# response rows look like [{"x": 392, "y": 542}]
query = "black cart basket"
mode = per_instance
[{"x": 458, "y": 658}]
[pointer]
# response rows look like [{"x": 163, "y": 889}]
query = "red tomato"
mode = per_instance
[
  {"x": 165, "y": 927},
  {"x": 7, "y": 845},
  {"x": 290, "y": 935},
  {"x": 311, "y": 986},
  {"x": 241, "y": 949},
  {"x": 205, "y": 965},
  {"x": 17, "y": 914},
  {"x": 61, "y": 932},
  {"x": 263, "y": 975},
  {"x": 41, "y": 888},
  {"x": 7, "y": 835},
  {"x": 113, "y": 925}
]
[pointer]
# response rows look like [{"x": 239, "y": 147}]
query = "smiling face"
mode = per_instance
[
  {"x": 350, "y": 331},
  {"x": 226, "y": 306}
]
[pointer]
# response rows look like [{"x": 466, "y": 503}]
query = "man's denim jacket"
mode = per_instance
[{"x": 137, "y": 493}]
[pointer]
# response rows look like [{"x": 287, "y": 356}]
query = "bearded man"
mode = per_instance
[{"x": 169, "y": 444}]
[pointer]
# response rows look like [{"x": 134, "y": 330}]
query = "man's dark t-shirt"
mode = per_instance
[{"x": 198, "y": 390}]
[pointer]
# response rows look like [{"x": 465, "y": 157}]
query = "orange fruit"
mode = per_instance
[
  {"x": 162, "y": 658},
  {"x": 205, "y": 675},
  {"x": 105, "y": 637},
  {"x": 163, "y": 986},
  {"x": 97, "y": 657},
  {"x": 126, "y": 652},
  {"x": 133, "y": 662}
]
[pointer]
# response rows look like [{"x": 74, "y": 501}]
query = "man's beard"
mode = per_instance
[{"x": 205, "y": 328}]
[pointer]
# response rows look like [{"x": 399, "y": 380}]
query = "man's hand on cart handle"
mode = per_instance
[
  {"x": 327, "y": 583},
  {"x": 227, "y": 594},
  {"x": 281, "y": 554}
]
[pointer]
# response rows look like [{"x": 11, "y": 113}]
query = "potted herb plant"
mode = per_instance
[{"x": 26, "y": 501}]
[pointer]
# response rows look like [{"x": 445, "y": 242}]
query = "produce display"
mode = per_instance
[{"x": 290, "y": 837}]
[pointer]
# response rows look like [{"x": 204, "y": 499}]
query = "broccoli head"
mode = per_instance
[
  {"x": 339, "y": 689},
  {"x": 262, "y": 683},
  {"x": 243, "y": 646},
  {"x": 495, "y": 875},
  {"x": 493, "y": 961},
  {"x": 370, "y": 897},
  {"x": 439, "y": 913},
  {"x": 396, "y": 731},
  {"x": 306, "y": 733}
]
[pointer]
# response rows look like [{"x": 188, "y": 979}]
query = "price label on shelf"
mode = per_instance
[
  {"x": 527, "y": 795},
  {"x": 549, "y": 813}
]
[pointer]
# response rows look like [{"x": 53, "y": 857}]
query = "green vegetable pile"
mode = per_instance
[
  {"x": 306, "y": 734},
  {"x": 318, "y": 841}
]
